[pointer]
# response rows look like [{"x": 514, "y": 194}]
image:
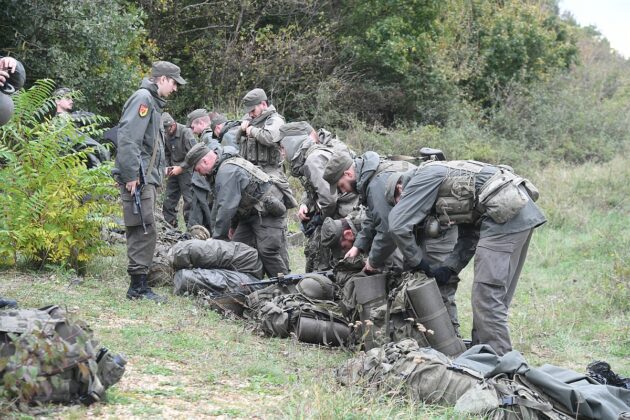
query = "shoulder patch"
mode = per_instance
[{"x": 143, "y": 110}]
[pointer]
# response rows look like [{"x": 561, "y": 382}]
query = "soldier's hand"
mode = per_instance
[
  {"x": 301, "y": 214},
  {"x": 231, "y": 233},
  {"x": 3, "y": 77},
  {"x": 244, "y": 125},
  {"x": 175, "y": 170},
  {"x": 354, "y": 251},
  {"x": 131, "y": 186},
  {"x": 442, "y": 275},
  {"x": 8, "y": 63},
  {"x": 368, "y": 267}
]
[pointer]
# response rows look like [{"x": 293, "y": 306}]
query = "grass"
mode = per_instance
[{"x": 571, "y": 307}]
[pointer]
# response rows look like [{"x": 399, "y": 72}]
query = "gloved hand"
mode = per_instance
[
  {"x": 424, "y": 267},
  {"x": 442, "y": 274}
]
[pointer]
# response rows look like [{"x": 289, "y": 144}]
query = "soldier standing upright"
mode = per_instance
[
  {"x": 141, "y": 145},
  {"x": 179, "y": 140}
]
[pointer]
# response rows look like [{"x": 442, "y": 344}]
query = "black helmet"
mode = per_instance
[
  {"x": 15, "y": 81},
  {"x": 6, "y": 108}
]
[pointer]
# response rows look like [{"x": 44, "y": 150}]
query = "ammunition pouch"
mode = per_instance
[{"x": 501, "y": 197}]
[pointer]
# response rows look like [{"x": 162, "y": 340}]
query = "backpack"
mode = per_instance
[{"x": 47, "y": 357}]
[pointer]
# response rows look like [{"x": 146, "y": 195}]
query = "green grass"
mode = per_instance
[{"x": 571, "y": 307}]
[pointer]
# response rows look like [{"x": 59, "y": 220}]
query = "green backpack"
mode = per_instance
[{"x": 47, "y": 357}]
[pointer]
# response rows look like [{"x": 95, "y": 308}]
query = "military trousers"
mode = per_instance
[
  {"x": 268, "y": 234},
  {"x": 176, "y": 187},
  {"x": 318, "y": 257},
  {"x": 437, "y": 251},
  {"x": 499, "y": 260},
  {"x": 140, "y": 245}
]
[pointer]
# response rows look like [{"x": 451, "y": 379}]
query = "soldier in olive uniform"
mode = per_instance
[
  {"x": 495, "y": 213},
  {"x": 248, "y": 206},
  {"x": 140, "y": 141},
  {"x": 307, "y": 159},
  {"x": 227, "y": 133},
  {"x": 179, "y": 140}
]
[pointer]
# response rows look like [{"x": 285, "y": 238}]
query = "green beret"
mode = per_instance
[
  {"x": 253, "y": 98},
  {"x": 165, "y": 68},
  {"x": 297, "y": 128},
  {"x": 195, "y": 154},
  {"x": 331, "y": 232},
  {"x": 167, "y": 120},
  {"x": 197, "y": 113},
  {"x": 217, "y": 120},
  {"x": 336, "y": 166}
]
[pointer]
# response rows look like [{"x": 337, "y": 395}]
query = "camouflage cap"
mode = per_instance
[
  {"x": 167, "y": 120},
  {"x": 168, "y": 69},
  {"x": 331, "y": 232},
  {"x": 197, "y": 113},
  {"x": 195, "y": 154},
  {"x": 253, "y": 98},
  {"x": 217, "y": 120},
  {"x": 61, "y": 92},
  {"x": 336, "y": 166},
  {"x": 298, "y": 128}
]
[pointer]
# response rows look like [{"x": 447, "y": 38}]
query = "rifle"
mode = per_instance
[
  {"x": 283, "y": 279},
  {"x": 137, "y": 196},
  {"x": 309, "y": 226}
]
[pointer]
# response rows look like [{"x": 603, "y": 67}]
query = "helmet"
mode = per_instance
[
  {"x": 15, "y": 81},
  {"x": 316, "y": 286},
  {"x": 6, "y": 108}
]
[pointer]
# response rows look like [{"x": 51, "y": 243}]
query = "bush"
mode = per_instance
[{"x": 52, "y": 206}]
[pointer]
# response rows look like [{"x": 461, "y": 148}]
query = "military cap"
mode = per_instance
[
  {"x": 217, "y": 120},
  {"x": 253, "y": 98},
  {"x": 61, "y": 92},
  {"x": 298, "y": 128},
  {"x": 165, "y": 68},
  {"x": 195, "y": 154},
  {"x": 336, "y": 166},
  {"x": 331, "y": 232},
  {"x": 197, "y": 113},
  {"x": 167, "y": 120}
]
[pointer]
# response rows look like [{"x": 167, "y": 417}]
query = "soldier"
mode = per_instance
[
  {"x": 140, "y": 142},
  {"x": 63, "y": 100},
  {"x": 247, "y": 198},
  {"x": 495, "y": 213},
  {"x": 260, "y": 139},
  {"x": 8, "y": 66},
  {"x": 307, "y": 159},
  {"x": 367, "y": 175},
  {"x": 179, "y": 140},
  {"x": 199, "y": 123},
  {"x": 226, "y": 132}
]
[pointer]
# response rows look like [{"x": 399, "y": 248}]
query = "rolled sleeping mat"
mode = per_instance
[
  {"x": 370, "y": 293},
  {"x": 426, "y": 302},
  {"x": 322, "y": 331}
]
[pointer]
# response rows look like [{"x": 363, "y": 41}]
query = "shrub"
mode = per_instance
[{"x": 52, "y": 207}]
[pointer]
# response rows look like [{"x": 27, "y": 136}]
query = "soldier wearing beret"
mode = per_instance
[
  {"x": 307, "y": 159},
  {"x": 245, "y": 197},
  {"x": 179, "y": 140},
  {"x": 140, "y": 142}
]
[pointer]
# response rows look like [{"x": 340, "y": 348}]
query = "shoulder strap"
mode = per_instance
[{"x": 249, "y": 167}]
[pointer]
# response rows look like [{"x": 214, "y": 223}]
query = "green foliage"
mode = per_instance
[
  {"x": 52, "y": 207},
  {"x": 95, "y": 46}
]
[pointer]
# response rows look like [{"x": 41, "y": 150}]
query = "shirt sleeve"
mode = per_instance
[
  {"x": 131, "y": 132},
  {"x": 269, "y": 134},
  {"x": 314, "y": 172},
  {"x": 415, "y": 204},
  {"x": 229, "y": 183}
]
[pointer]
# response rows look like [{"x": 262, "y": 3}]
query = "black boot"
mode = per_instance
[
  {"x": 147, "y": 293},
  {"x": 7, "y": 303},
  {"x": 135, "y": 287}
]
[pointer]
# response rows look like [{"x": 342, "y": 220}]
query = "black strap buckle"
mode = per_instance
[{"x": 509, "y": 401}]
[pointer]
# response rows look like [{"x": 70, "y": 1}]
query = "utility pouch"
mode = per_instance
[{"x": 500, "y": 198}]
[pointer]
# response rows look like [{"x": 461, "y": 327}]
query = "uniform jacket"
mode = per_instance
[
  {"x": 139, "y": 131},
  {"x": 417, "y": 201},
  {"x": 230, "y": 134},
  {"x": 178, "y": 145},
  {"x": 261, "y": 147}
]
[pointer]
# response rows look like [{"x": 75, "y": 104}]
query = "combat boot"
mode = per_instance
[
  {"x": 147, "y": 293},
  {"x": 135, "y": 287},
  {"x": 7, "y": 303}
]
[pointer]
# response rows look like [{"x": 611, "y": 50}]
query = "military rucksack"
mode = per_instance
[{"x": 47, "y": 357}]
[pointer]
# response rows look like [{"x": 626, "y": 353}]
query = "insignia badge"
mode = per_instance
[{"x": 143, "y": 110}]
